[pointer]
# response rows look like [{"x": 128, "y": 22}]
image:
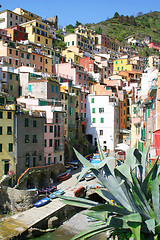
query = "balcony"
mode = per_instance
[{"x": 58, "y": 148}]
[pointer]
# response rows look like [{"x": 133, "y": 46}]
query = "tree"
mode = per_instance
[
  {"x": 70, "y": 28},
  {"x": 116, "y": 15},
  {"x": 99, "y": 30},
  {"x": 132, "y": 197},
  {"x": 77, "y": 24}
]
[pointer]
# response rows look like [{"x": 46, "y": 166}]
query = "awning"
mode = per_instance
[{"x": 122, "y": 146}]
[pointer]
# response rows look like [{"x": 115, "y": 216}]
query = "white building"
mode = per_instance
[
  {"x": 9, "y": 19},
  {"x": 102, "y": 121},
  {"x": 146, "y": 81}
]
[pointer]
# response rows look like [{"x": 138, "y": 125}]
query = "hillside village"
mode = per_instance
[{"x": 58, "y": 88}]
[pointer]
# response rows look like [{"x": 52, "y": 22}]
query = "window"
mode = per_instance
[
  {"x": 10, "y": 15},
  {"x": 11, "y": 87},
  {"x": 16, "y": 77},
  {"x": 10, "y": 61},
  {"x": 93, "y": 120},
  {"x": 40, "y": 59},
  {"x": 10, "y": 23},
  {"x": 56, "y": 117},
  {"x": 9, "y": 115},
  {"x": 34, "y": 161},
  {"x": 77, "y": 92},
  {"x": 26, "y": 140},
  {"x": 10, "y": 147},
  {"x": 148, "y": 111},
  {"x": 101, "y": 110},
  {"x": 10, "y": 76},
  {"x": 10, "y": 51},
  {"x": 26, "y": 122},
  {"x": 9, "y": 130},
  {"x": 46, "y": 61},
  {"x": 16, "y": 62},
  {"x": 45, "y": 128},
  {"x": 33, "y": 57},
  {"x": 59, "y": 130},
  {"x": 34, "y": 123},
  {"x": 0, "y": 147},
  {"x": 28, "y": 56},
  {"x": 80, "y": 76},
  {"x": 6, "y": 167},
  {"x": 22, "y": 55},
  {"x": 92, "y": 100},
  {"x": 102, "y": 120},
  {"x": 0, "y": 130},
  {"x": 38, "y": 38},
  {"x": 101, "y": 132},
  {"x": 29, "y": 88},
  {"x": 34, "y": 137},
  {"x": 50, "y": 142},
  {"x": 1, "y": 115},
  {"x": 46, "y": 41},
  {"x": 72, "y": 42},
  {"x": 45, "y": 143},
  {"x": 93, "y": 110},
  {"x": 51, "y": 128}
]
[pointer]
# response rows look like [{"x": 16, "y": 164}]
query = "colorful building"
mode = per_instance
[
  {"x": 125, "y": 64},
  {"x": 7, "y": 157},
  {"x": 17, "y": 33},
  {"x": 38, "y": 32}
]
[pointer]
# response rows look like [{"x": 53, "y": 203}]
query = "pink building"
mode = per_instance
[
  {"x": 71, "y": 71},
  {"x": 53, "y": 127},
  {"x": 155, "y": 45}
]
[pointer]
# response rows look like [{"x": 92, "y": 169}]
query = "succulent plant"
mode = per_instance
[{"x": 131, "y": 210}]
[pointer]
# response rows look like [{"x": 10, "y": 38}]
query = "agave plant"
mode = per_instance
[{"x": 131, "y": 210}]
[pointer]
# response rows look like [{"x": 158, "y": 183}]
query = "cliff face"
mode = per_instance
[{"x": 14, "y": 200}]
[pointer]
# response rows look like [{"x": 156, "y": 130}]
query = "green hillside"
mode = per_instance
[{"x": 121, "y": 26}]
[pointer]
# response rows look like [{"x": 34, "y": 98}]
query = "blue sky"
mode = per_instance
[{"x": 84, "y": 11}]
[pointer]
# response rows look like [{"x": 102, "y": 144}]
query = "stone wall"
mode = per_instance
[{"x": 14, "y": 200}]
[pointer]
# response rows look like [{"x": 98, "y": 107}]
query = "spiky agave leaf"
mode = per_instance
[
  {"x": 90, "y": 232},
  {"x": 144, "y": 158},
  {"x": 111, "y": 183},
  {"x": 78, "y": 202}
]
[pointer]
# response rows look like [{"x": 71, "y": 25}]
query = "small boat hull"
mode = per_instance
[
  {"x": 58, "y": 192},
  {"x": 63, "y": 176},
  {"x": 42, "y": 202},
  {"x": 80, "y": 192}
]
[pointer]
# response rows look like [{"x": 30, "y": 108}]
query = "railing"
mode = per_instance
[{"x": 29, "y": 170}]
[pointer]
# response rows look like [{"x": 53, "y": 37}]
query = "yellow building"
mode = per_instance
[
  {"x": 38, "y": 32},
  {"x": 125, "y": 64},
  {"x": 80, "y": 41},
  {"x": 27, "y": 14},
  {"x": 70, "y": 55},
  {"x": 6, "y": 135},
  {"x": 86, "y": 32}
]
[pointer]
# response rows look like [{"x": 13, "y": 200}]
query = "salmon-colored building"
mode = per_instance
[{"x": 17, "y": 33}]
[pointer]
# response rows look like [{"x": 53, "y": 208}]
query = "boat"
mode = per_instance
[
  {"x": 47, "y": 190},
  {"x": 58, "y": 192},
  {"x": 42, "y": 202},
  {"x": 64, "y": 176},
  {"x": 89, "y": 176},
  {"x": 80, "y": 192},
  {"x": 94, "y": 186}
]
